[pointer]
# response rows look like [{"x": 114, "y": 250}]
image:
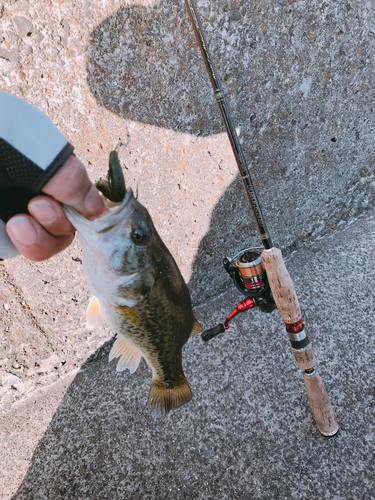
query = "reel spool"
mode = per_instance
[{"x": 252, "y": 271}]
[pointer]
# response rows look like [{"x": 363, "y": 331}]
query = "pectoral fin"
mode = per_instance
[
  {"x": 196, "y": 328},
  {"x": 94, "y": 315},
  {"x": 128, "y": 354}
]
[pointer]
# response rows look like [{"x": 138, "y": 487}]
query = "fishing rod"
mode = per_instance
[{"x": 262, "y": 276}]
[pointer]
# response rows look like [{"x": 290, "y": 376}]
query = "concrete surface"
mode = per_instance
[
  {"x": 248, "y": 432},
  {"x": 298, "y": 77}
]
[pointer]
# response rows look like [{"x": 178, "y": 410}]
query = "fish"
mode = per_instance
[{"x": 138, "y": 289}]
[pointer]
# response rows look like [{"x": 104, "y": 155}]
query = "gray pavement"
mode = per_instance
[
  {"x": 298, "y": 77},
  {"x": 248, "y": 432}
]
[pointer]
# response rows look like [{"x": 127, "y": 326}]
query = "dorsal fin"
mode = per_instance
[
  {"x": 196, "y": 328},
  {"x": 94, "y": 315},
  {"x": 128, "y": 354}
]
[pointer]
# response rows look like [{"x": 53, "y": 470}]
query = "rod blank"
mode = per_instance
[{"x": 231, "y": 131}]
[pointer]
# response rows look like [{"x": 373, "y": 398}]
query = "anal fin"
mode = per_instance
[
  {"x": 128, "y": 354},
  {"x": 162, "y": 399},
  {"x": 196, "y": 328}
]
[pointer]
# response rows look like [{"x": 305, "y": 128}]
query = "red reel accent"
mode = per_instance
[
  {"x": 242, "y": 306},
  {"x": 254, "y": 286},
  {"x": 294, "y": 327}
]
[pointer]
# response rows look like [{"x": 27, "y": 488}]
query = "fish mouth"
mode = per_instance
[{"x": 119, "y": 213}]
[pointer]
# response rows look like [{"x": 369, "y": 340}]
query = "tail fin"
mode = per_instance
[{"x": 163, "y": 399}]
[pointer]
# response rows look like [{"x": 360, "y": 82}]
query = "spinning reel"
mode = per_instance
[{"x": 249, "y": 277}]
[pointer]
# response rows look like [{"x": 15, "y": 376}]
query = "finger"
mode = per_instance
[
  {"x": 32, "y": 240},
  {"x": 71, "y": 185},
  {"x": 49, "y": 213}
]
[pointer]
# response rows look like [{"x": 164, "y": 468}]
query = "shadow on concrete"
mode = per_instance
[
  {"x": 155, "y": 74},
  {"x": 232, "y": 229},
  {"x": 103, "y": 443},
  {"x": 174, "y": 92},
  {"x": 248, "y": 432}
]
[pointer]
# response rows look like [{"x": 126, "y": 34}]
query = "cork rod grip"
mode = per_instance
[
  {"x": 316, "y": 392},
  {"x": 281, "y": 286},
  {"x": 320, "y": 404},
  {"x": 286, "y": 301}
]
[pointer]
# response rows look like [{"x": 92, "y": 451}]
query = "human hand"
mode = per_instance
[{"x": 47, "y": 231}]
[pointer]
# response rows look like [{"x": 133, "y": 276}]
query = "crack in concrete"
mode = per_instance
[{"x": 23, "y": 304}]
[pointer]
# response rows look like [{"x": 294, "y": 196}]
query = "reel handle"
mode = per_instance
[{"x": 213, "y": 332}]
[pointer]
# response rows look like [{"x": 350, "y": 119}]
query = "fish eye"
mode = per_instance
[{"x": 139, "y": 235}]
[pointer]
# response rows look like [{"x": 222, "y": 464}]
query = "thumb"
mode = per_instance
[{"x": 71, "y": 185}]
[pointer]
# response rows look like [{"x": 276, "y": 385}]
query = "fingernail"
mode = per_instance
[
  {"x": 43, "y": 211},
  {"x": 93, "y": 203},
  {"x": 22, "y": 230}
]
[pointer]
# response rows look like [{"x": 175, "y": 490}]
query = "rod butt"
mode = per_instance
[{"x": 320, "y": 403}]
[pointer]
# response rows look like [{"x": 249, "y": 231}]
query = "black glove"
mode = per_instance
[{"x": 32, "y": 150}]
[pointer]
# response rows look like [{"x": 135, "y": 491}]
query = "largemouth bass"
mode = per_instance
[{"x": 139, "y": 290}]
